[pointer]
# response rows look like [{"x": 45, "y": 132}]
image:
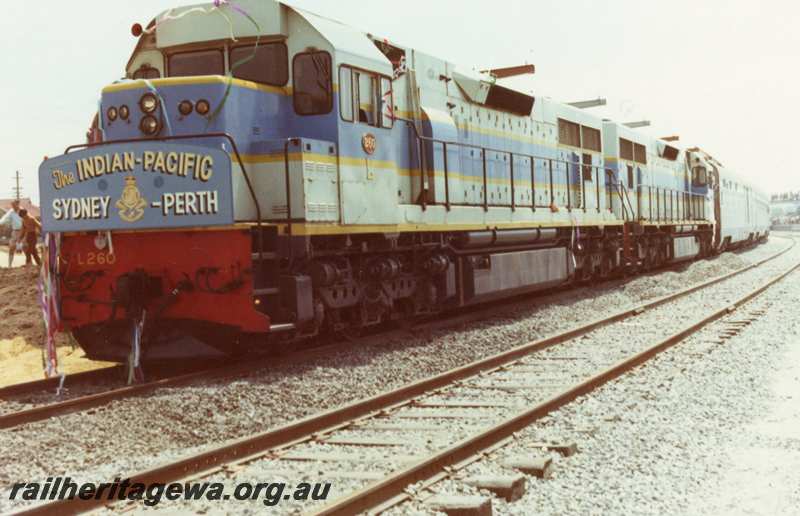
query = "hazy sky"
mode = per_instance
[{"x": 724, "y": 75}]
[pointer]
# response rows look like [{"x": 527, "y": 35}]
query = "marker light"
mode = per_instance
[
  {"x": 111, "y": 113},
  {"x": 185, "y": 107},
  {"x": 136, "y": 30},
  {"x": 148, "y": 103},
  {"x": 149, "y": 125},
  {"x": 203, "y": 107},
  {"x": 124, "y": 112}
]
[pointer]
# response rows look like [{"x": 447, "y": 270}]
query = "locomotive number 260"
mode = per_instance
[{"x": 96, "y": 258}]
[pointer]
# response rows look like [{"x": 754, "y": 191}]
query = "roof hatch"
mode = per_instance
[{"x": 487, "y": 93}]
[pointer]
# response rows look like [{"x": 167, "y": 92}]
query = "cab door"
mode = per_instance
[{"x": 367, "y": 160}]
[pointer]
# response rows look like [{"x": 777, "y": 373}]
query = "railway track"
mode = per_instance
[
  {"x": 93, "y": 399},
  {"x": 53, "y": 384},
  {"x": 530, "y": 381},
  {"x": 105, "y": 396},
  {"x": 45, "y": 399}
]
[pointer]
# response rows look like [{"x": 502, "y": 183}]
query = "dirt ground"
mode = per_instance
[
  {"x": 19, "y": 258},
  {"x": 22, "y": 331}
]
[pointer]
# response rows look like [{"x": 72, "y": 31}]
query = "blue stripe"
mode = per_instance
[{"x": 257, "y": 119}]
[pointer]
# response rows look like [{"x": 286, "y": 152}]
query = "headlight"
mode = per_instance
[
  {"x": 124, "y": 112},
  {"x": 185, "y": 107},
  {"x": 148, "y": 103},
  {"x": 203, "y": 107},
  {"x": 149, "y": 125},
  {"x": 111, "y": 113}
]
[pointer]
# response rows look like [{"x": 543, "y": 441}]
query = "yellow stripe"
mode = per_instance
[
  {"x": 202, "y": 79},
  {"x": 239, "y": 226},
  {"x": 676, "y": 223},
  {"x": 324, "y": 158},
  {"x": 373, "y": 163},
  {"x": 293, "y": 156},
  {"x": 320, "y": 229},
  {"x": 414, "y": 173},
  {"x": 392, "y": 166}
]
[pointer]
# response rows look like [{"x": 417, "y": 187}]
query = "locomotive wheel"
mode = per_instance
[
  {"x": 606, "y": 265},
  {"x": 350, "y": 333},
  {"x": 649, "y": 258}
]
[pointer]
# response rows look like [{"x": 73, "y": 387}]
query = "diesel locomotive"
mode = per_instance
[{"x": 263, "y": 174}]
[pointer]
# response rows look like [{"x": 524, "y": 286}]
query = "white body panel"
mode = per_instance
[
  {"x": 744, "y": 209},
  {"x": 685, "y": 248}
]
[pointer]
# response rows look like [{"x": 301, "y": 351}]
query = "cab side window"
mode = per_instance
[
  {"x": 313, "y": 86},
  {"x": 365, "y": 97},
  {"x": 200, "y": 62},
  {"x": 367, "y": 102},
  {"x": 346, "y": 93}
]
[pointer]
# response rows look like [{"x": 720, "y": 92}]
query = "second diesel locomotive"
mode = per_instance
[{"x": 266, "y": 173}]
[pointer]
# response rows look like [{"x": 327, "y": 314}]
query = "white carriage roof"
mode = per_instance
[
  {"x": 205, "y": 22},
  {"x": 352, "y": 45},
  {"x": 623, "y": 131}
]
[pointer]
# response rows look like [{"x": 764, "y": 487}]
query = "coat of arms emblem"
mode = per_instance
[
  {"x": 369, "y": 143},
  {"x": 131, "y": 204}
]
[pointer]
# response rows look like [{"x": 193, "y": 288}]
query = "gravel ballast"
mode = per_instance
[
  {"x": 704, "y": 428},
  {"x": 133, "y": 434},
  {"x": 555, "y": 368}
]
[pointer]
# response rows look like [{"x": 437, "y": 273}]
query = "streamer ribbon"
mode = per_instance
[
  {"x": 49, "y": 301},
  {"x": 219, "y": 4},
  {"x": 168, "y": 16},
  {"x": 135, "y": 373},
  {"x": 218, "y": 8}
]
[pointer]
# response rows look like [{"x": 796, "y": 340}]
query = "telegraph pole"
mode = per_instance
[{"x": 17, "y": 189}]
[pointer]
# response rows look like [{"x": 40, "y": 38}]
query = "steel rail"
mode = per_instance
[
  {"x": 393, "y": 487},
  {"x": 38, "y": 386},
  {"x": 43, "y": 412},
  {"x": 304, "y": 429}
]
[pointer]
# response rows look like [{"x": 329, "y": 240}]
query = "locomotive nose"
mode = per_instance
[{"x": 175, "y": 106}]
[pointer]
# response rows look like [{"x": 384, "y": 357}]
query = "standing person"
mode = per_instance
[
  {"x": 30, "y": 229},
  {"x": 13, "y": 218}
]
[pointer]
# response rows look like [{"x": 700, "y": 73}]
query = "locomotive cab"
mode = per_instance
[{"x": 224, "y": 134}]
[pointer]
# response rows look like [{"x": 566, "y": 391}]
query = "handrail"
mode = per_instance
[
  {"x": 669, "y": 210},
  {"x": 622, "y": 193},
  {"x": 628, "y": 199},
  {"x": 668, "y": 213},
  {"x": 511, "y": 154}
]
